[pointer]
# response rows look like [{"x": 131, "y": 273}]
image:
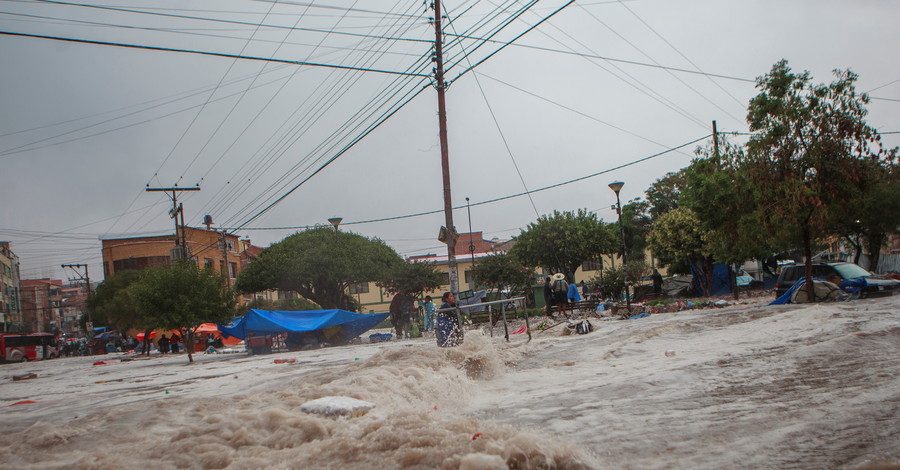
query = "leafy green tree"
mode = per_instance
[
  {"x": 408, "y": 281},
  {"x": 729, "y": 206},
  {"x": 501, "y": 272},
  {"x": 319, "y": 264},
  {"x": 111, "y": 304},
  {"x": 664, "y": 193},
  {"x": 874, "y": 213},
  {"x": 637, "y": 224},
  {"x": 181, "y": 296},
  {"x": 563, "y": 241},
  {"x": 806, "y": 148},
  {"x": 412, "y": 278},
  {"x": 678, "y": 235}
]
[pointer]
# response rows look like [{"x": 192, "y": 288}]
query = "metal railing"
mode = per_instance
[{"x": 503, "y": 303}]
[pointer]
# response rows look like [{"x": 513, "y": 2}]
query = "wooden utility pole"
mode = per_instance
[
  {"x": 715, "y": 141},
  {"x": 732, "y": 274},
  {"x": 87, "y": 280},
  {"x": 225, "y": 260},
  {"x": 445, "y": 151},
  {"x": 180, "y": 241}
]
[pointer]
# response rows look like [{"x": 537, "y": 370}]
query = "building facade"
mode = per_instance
[
  {"x": 41, "y": 304},
  {"x": 224, "y": 253},
  {"x": 10, "y": 290}
]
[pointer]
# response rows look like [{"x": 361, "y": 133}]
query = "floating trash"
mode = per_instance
[{"x": 337, "y": 406}]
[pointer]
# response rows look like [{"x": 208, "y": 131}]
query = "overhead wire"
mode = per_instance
[
  {"x": 497, "y": 199},
  {"x": 208, "y": 19},
  {"x": 632, "y": 81},
  {"x": 189, "y": 51},
  {"x": 502, "y": 136},
  {"x": 688, "y": 86},
  {"x": 335, "y": 85},
  {"x": 197, "y": 115},
  {"x": 236, "y": 103},
  {"x": 185, "y": 31},
  {"x": 323, "y": 103},
  {"x": 568, "y": 108},
  {"x": 453, "y": 60},
  {"x": 32, "y": 145},
  {"x": 171, "y": 98},
  {"x": 612, "y": 59},
  {"x": 651, "y": 28},
  {"x": 323, "y": 142},
  {"x": 645, "y": 90}
]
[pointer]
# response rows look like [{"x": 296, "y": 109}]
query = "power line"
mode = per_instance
[
  {"x": 701, "y": 95},
  {"x": 490, "y": 201},
  {"x": 207, "y": 53},
  {"x": 611, "y": 59},
  {"x": 216, "y": 20},
  {"x": 680, "y": 53},
  {"x": 324, "y": 102}
]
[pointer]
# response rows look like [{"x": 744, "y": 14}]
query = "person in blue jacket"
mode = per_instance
[
  {"x": 573, "y": 295},
  {"x": 428, "y": 308}
]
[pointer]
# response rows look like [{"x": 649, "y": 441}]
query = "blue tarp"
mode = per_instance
[
  {"x": 721, "y": 282},
  {"x": 786, "y": 297},
  {"x": 263, "y": 322}
]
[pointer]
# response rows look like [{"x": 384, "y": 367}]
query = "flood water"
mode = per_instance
[{"x": 746, "y": 386}]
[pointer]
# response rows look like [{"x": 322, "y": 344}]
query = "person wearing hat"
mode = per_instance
[{"x": 560, "y": 292}]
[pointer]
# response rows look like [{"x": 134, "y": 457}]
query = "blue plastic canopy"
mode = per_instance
[{"x": 263, "y": 322}]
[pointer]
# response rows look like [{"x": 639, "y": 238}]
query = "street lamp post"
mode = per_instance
[
  {"x": 471, "y": 241},
  {"x": 335, "y": 221},
  {"x": 616, "y": 187}
]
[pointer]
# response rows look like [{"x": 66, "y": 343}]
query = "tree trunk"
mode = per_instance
[
  {"x": 147, "y": 342},
  {"x": 857, "y": 249},
  {"x": 874, "y": 243},
  {"x": 807, "y": 254},
  {"x": 732, "y": 274},
  {"x": 189, "y": 344}
]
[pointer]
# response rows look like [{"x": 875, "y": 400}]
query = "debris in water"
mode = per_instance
[
  {"x": 476, "y": 435},
  {"x": 25, "y": 377},
  {"x": 337, "y": 406},
  {"x": 24, "y": 402}
]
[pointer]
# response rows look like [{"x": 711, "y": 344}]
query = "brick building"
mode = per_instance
[
  {"x": 41, "y": 304},
  {"x": 224, "y": 253},
  {"x": 10, "y": 295}
]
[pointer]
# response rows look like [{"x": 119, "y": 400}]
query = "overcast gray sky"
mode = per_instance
[{"x": 85, "y": 127}]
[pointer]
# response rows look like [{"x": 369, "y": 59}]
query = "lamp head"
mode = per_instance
[
  {"x": 616, "y": 186},
  {"x": 335, "y": 221}
]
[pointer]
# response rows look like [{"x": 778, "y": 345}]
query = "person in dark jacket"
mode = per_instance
[
  {"x": 548, "y": 297},
  {"x": 657, "y": 282},
  {"x": 163, "y": 344}
]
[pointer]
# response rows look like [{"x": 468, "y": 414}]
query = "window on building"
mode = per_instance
[
  {"x": 232, "y": 270},
  {"x": 445, "y": 279},
  {"x": 139, "y": 263},
  {"x": 359, "y": 288},
  {"x": 230, "y": 245},
  {"x": 208, "y": 263},
  {"x": 469, "y": 276},
  {"x": 592, "y": 265}
]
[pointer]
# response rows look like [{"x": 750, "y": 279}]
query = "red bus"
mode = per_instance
[{"x": 31, "y": 347}]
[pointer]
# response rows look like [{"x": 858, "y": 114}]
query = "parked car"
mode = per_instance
[{"x": 876, "y": 285}]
